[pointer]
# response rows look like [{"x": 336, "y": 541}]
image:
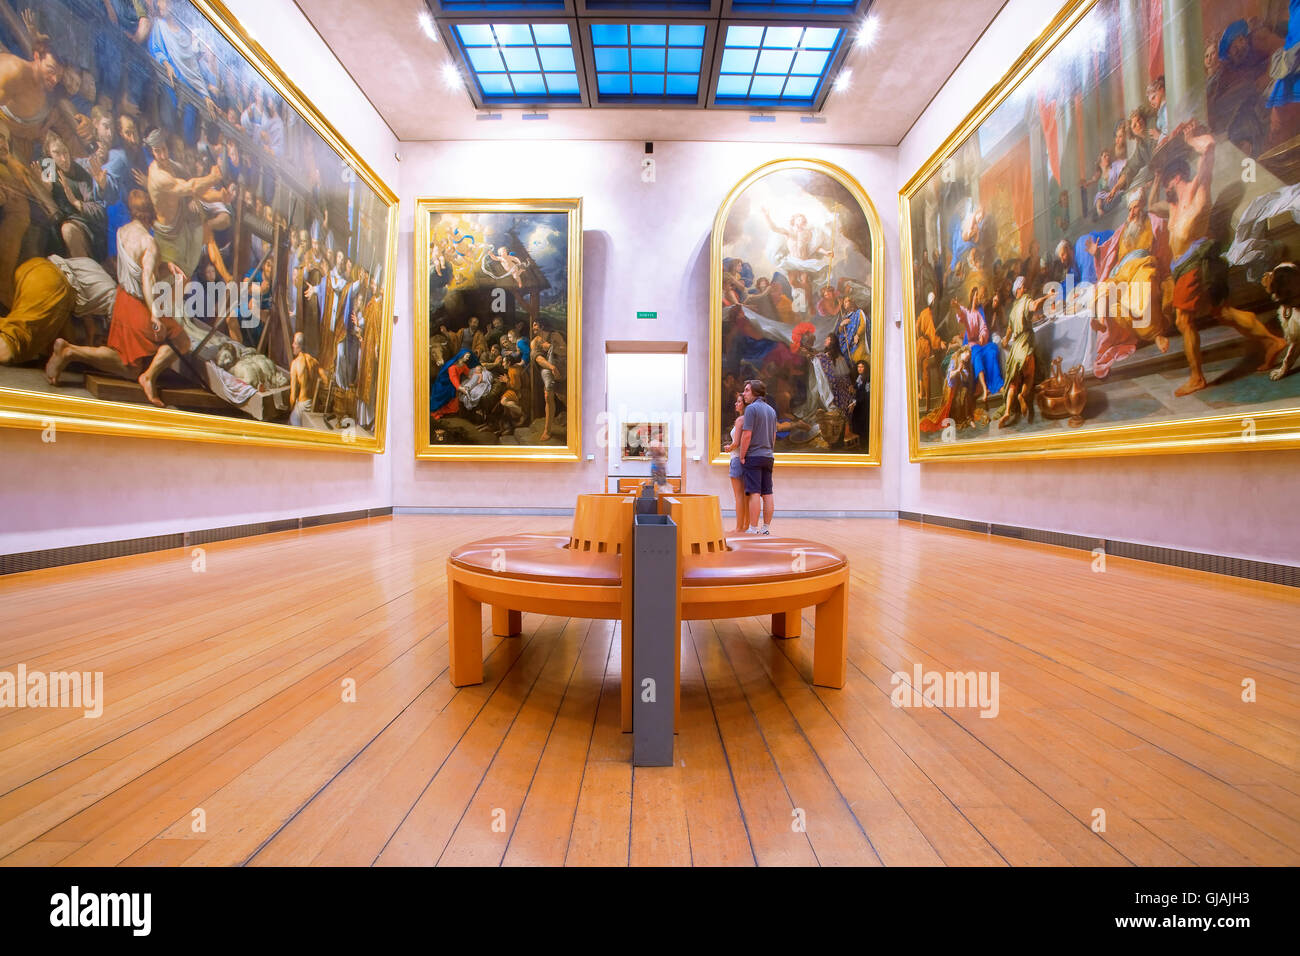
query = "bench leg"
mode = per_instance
[
  {"x": 505, "y": 622},
  {"x": 465, "y": 627},
  {"x": 677, "y": 677},
  {"x": 787, "y": 624},
  {"x": 830, "y": 643},
  {"x": 627, "y": 690}
]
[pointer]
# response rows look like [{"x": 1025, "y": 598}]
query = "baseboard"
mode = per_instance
[
  {"x": 1284, "y": 574},
  {"x": 80, "y": 553},
  {"x": 784, "y": 513},
  {"x": 730, "y": 513},
  {"x": 420, "y": 510}
]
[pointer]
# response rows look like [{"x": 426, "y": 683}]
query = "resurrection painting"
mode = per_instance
[
  {"x": 1102, "y": 258},
  {"x": 797, "y": 261},
  {"x": 498, "y": 288},
  {"x": 186, "y": 248}
]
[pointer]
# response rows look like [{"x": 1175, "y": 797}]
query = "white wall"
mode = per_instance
[
  {"x": 648, "y": 387},
  {"x": 645, "y": 248},
  {"x": 85, "y": 488},
  {"x": 1223, "y": 503}
]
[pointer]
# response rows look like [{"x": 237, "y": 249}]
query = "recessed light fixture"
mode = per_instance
[
  {"x": 426, "y": 24},
  {"x": 451, "y": 76},
  {"x": 843, "y": 81},
  {"x": 867, "y": 31}
]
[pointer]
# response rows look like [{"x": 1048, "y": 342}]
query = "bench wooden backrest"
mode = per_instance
[
  {"x": 602, "y": 523},
  {"x": 632, "y": 486},
  {"x": 699, "y": 523}
]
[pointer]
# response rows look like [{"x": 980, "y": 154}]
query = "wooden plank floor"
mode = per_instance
[{"x": 227, "y": 735}]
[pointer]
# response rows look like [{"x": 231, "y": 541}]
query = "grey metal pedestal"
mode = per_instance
[{"x": 655, "y": 634}]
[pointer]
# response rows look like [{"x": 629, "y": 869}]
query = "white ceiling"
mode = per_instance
[{"x": 918, "y": 45}]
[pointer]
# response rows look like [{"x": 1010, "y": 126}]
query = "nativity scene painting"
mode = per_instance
[
  {"x": 177, "y": 236},
  {"x": 1116, "y": 243},
  {"x": 796, "y": 257},
  {"x": 496, "y": 348}
]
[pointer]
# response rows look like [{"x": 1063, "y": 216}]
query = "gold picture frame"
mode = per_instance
[
  {"x": 1242, "y": 430},
  {"x": 571, "y": 209},
  {"x": 40, "y": 410},
  {"x": 872, "y": 456}
]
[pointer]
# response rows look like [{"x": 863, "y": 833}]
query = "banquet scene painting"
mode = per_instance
[
  {"x": 497, "y": 352},
  {"x": 174, "y": 234},
  {"x": 793, "y": 275},
  {"x": 1116, "y": 242}
]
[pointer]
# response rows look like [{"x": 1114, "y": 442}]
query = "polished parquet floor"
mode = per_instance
[{"x": 1121, "y": 736}]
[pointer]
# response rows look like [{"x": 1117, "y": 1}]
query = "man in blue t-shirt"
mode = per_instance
[{"x": 757, "y": 434}]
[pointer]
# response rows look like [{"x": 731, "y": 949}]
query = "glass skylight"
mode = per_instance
[
  {"x": 648, "y": 60},
  {"x": 775, "y": 66},
  {"x": 521, "y": 62}
]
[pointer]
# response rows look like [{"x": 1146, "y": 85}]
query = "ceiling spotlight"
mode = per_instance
[
  {"x": 451, "y": 76},
  {"x": 843, "y": 81},
  {"x": 426, "y": 24},
  {"x": 867, "y": 31}
]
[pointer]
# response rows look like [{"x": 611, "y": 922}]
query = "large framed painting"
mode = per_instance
[
  {"x": 498, "y": 329},
  {"x": 1102, "y": 258},
  {"x": 796, "y": 293},
  {"x": 188, "y": 249}
]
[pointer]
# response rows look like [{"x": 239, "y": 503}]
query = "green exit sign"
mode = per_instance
[{"x": 647, "y": 315}]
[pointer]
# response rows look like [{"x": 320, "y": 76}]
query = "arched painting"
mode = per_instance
[{"x": 797, "y": 261}]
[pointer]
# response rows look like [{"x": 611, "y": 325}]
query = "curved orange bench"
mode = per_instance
[
  {"x": 582, "y": 575},
  {"x": 743, "y": 575},
  {"x": 589, "y": 575}
]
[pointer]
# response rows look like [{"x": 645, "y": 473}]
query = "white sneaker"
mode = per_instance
[
  {"x": 751, "y": 530},
  {"x": 764, "y": 531}
]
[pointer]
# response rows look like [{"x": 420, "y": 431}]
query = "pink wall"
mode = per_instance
[
  {"x": 85, "y": 488},
  {"x": 646, "y": 247},
  {"x": 1231, "y": 503}
]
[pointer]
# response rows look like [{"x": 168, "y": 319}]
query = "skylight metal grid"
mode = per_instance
[
  {"x": 648, "y": 63},
  {"x": 527, "y": 64},
  {"x": 755, "y": 54},
  {"x": 776, "y": 66}
]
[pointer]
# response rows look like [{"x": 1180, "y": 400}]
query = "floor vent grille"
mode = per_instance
[
  {"x": 1284, "y": 574},
  {"x": 81, "y": 553}
]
